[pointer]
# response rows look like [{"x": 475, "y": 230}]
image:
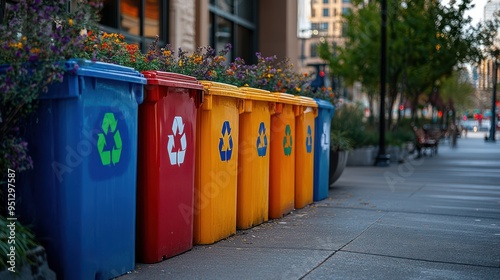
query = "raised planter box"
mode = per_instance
[
  {"x": 338, "y": 161},
  {"x": 362, "y": 156}
]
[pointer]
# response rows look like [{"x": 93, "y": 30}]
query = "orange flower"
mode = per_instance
[
  {"x": 35, "y": 50},
  {"x": 219, "y": 58},
  {"x": 132, "y": 48},
  {"x": 197, "y": 60}
]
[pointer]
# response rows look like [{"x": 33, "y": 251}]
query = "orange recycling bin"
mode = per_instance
[
  {"x": 216, "y": 162},
  {"x": 165, "y": 185},
  {"x": 282, "y": 162},
  {"x": 253, "y": 159},
  {"x": 304, "y": 156}
]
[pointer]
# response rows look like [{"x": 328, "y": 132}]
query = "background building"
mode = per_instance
[
  {"x": 322, "y": 21},
  {"x": 486, "y": 67}
]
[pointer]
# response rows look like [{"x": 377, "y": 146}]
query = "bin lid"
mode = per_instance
[
  {"x": 259, "y": 94},
  {"x": 323, "y": 104},
  {"x": 307, "y": 101},
  {"x": 287, "y": 98},
  {"x": 170, "y": 79},
  {"x": 222, "y": 89},
  {"x": 104, "y": 70}
]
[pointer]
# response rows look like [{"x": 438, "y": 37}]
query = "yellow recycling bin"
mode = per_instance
[
  {"x": 253, "y": 158},
  {"x": 304, "y": 156},
  {"x": 282, "y": 162},
  {"x": 216, "y": 163}
]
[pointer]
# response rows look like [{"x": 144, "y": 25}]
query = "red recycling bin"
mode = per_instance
[{"x": 166, "y": 151}]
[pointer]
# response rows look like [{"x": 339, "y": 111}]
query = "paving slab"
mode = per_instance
[
  {"x": 441, "y": 238},
  {"x": 346, "y": 265},
  {"x": 309, "y": 228},
  {"x": 218, "y": 262}
]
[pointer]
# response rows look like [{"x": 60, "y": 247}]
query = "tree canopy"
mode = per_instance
[{"x": 426, "y": 42}]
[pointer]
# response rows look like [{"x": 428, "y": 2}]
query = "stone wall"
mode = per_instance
[{"x": 182, "y": 24}]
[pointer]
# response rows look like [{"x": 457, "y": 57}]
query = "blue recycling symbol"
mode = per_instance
[
  {"x": 226, "y": 142},
  {"x": 309, "y": 140},
  {"x": 262, "y": 140}
]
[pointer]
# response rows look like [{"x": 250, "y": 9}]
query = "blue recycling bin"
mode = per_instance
[
  {"x": 80, "y": 197},
  {"x": 323, "y": 123}
]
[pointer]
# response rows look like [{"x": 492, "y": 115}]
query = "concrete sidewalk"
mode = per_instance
[{"x": 433, "y": 218}]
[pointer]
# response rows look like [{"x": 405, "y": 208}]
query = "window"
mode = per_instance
[
  {"x": 325, "y": 12},
  {"x": 346, "y": 1},
  {"x": 315, "y": 26},
  {"x": 346, "y": 11},
  {"x": 138, "y": 20},
  {"x": 323, "y": 26},
  {"x": 344, "y": 30},
  {"x": 234, "y": 22},
  {"x": 314, "y": 50},
  {"x": 325, "y": 1}
]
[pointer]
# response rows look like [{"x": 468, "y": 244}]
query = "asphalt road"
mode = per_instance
[{"x": 432, "y": 218}]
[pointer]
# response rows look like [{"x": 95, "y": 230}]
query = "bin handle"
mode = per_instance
[
  {"x": 247, "y": 105},
  {"x": 81, "y": 84},
  {"x": 197, "y": 95},
  {"x": 137, "y": 92},
  {"x": 272, "y": 108},
  {"x": 278, "y": 108},
  {"x": 297, "y": 110},
  {"x": 241, "y": 106},
  {"x": 207, "y": 102}
]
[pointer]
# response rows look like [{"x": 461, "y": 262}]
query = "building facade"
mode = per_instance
[
  {"x": 326, "y": 24},
  {"x": 486, "y": 68},
  {"x": 250, "y": 26}
]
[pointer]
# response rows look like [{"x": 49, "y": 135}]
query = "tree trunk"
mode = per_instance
[
  {"x": 370, "y": 107},
  {"x": 414, "y": 109},
  {"x": 392, "y": 99}
]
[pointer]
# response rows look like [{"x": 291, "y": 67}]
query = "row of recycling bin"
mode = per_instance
[{"x": 117, "y": 182}]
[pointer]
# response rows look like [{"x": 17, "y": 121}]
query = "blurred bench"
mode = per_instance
[{"x": 424, "y": 141}]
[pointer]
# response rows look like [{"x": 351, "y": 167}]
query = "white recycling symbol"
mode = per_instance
[
  {"x": 177, "y": 129},
  {"x": 325, "y": 140}
]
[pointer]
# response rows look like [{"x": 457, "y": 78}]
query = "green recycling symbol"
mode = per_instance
[
  {"x": 109, "y": 124},
  {"x": 287, "y": 141}
]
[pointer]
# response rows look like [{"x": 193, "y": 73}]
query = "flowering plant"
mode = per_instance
[
  {"x": 325, "y": 93},
  {"x": 205, "y": 64},
  {"x": 36, "y": 37},
  {"x": 112, "y": 48},
  {"x": 269, "y": 74}
]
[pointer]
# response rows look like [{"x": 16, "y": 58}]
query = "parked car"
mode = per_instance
[
  {"x": 470, "y": 125},
  {"x": 485, "y": 125}
]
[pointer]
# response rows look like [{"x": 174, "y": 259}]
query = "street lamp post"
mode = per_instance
[
  {"x": 382, "y": 158},
  {"x": 493, "y": 126}
]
